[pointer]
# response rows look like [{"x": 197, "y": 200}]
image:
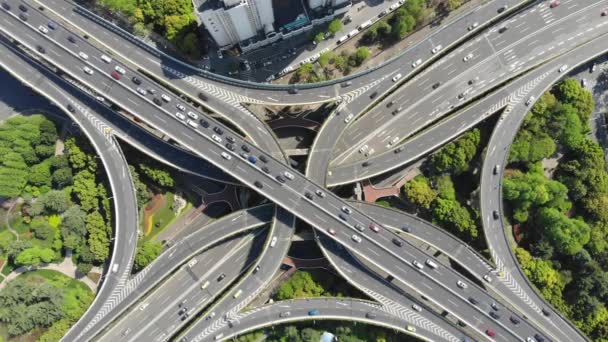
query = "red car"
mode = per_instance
[
  {"x": 554, "y": 3},
  {"x": 116, "y": 75},
  {"x": 331, "y": 231},
  {"x": 374, "y": 227},
  {"x": 490, "y": 333}
]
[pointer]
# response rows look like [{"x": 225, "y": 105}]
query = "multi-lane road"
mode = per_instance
[{"x": 489, "y": 56}]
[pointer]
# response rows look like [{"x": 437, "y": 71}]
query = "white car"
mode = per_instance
[
  {"x": 180, "y": 107},
  {"x": 467, "y": 57},
  {"x": 193, "y": 115},
  {"x": 356, "y": 238},
  {"x": 416, "y": 307},
  {"x": 364, "y": 149},
  {"x": 88, "y": 70},
  {"x": 396, "y": 77},
  {"x": 418, "y": 265},
  {"x": 43, "y": 29},
  {"x": 120, "y": 70},
  {"x": 417, "y": 63},
  {"x": 226, "y": 156},
  {"x": 473, "y": 26},
  {"x": 346, "y": 210},
  {"x": 180, "y": 116},
  {"x": 563, "y": 68},
  {"x": 487, "y": 278},
  {"x": 320, "y": 193},
  {"x": 106, "y": 59},
  {"x": 530, "y": 100},
  {"x": 142, "y": 92},
  {"x": 273, "y": 242},
  {"x": 436, "y": 49},
  {"x": 165, "y": 98},
  {"x": 392, "y": 142},
  {"x": 192, "y": 123},
  {"x": 216, "y": 138},
  {"x": 83, "y": 55},
  {"x": 288, "y": 175},
  {"x": 348, "y": 118},
  {"x": 461, "y": 284},
  {"x": 192, "y": 262},
  {"x": 584, "y": 83}
]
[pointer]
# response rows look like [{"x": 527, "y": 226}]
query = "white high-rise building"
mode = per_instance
[{"x": 232, "y": 21}]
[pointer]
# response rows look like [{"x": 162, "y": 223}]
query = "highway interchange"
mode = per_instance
[{"x": 370, "y": 254}]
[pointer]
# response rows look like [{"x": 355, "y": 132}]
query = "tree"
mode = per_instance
[
  {"x": 40, "y": 174},
  {"x": 77, "y": 158},
  {"x": 42, "y": 229},
  {"x": 59, "y": 162},
  {"x": 146, "y": 253},
  {"x": 453, "y": 4},
  {"x": 334, "y": 26},
  {"x": 62, "y": 177},
  {"x": 73, "y": 227},
  {"x": 566, "y": 234},
  {"x": 383, "y": 28},
  {"x": 370, "y": 36},
  {"x": 142, "y": 192},
  {"x": 55, "y": 201},
  {"x": 99, "y": 241},
  {"x": 319, "y": 37},
  {"x": 445, "y": 187},
  {"x": 325, "y": 58},
  {"x": 299, "y": 285},
  {"x": 451, "y": 215},
  {"x": 547, "y": 280},
  {"x": 341, "y": 63},
  {"x": 361, "y": 54},
  {"x": 419, "y": 192},
  {"x": 455, "y": 157},
  {"x": 35, "y": 256},
  {"x": 85, "y": 190},
  {"x": 570, "y": 91},
  {"x": 402, "y": 25},
  {"x": 161, "y": 177}
]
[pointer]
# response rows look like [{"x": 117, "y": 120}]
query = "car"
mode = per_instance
[
  {"x": 546, "y": 312},
  {"x": 141, "y": 91},
  {"x": 192, "y": 123},
  {"x": 584, "y": 83},
  {"x": 393, "y": 141},
  {"x": 216, "y": 138},
  {"x": 461, "y": 96},
  {"x": 314, "y": 312},
  {"x": 343, "y": 217},
  {"x": 151, "y": 91},
  {"x": 390, "y": 104},
  {"x": 71, "y": 108},
  {"x": 180, "y": 106},
  {"x": 410, "y": 328},
  {"x": 370, "y": 315},
  {"x": 165, "y": 97},
  {"x": 436, "y": 85},
  {"x": 293, "y": 91},
  {"x": 280, "y": 179},
  {"x": 374, "y": 227},
  {"x": 494, "y": 306},
  {"x": 399, "y": 149},
  {"x": 230, "y": 146},
  {"x": 462, "y": 324},
  {"x": 226, "y": 156},
  {"x": 494, "y": 315},
  {"x": 331, "y": 231},
  {"x": 554, "y": 4},
  {"x": 473, "y": 301},
  {"x": 193, "y": 115},
  {"x": 430, "y": 263},
  {"x": 180, "y": 116},
  {"x": 288, "y": 175},
  {"x": 490, "y": 332},
  {"x": 348, "y": 118},
  {"x": 220, "y": 131},
  {"x": 237, "y": 294},
  {"x": 356, "y": 238},
  {"x": 23, "y": 16},
  {"x": 416, "y": 307},
  {"x": 265, "y": 169},
  {"x": 83, "y": 55},
  {"x": 473, "y": 26},
  {"x": 231, "y": 139},
  {"x": 308, "y": 195},
  {"x": 373, "y": 95},
  {"x": 495, "y": 214},
  {"x": 71, "y": 39},
  {"x": 418, "y": 265},
  {"x": 211, "y": 315},
  {"x": 204, "y": 123},
  {"x": 417, "y": 63},
  {"x": 467, "y": 57},
  {"x": 436, "y": 49},
  {"x": 396, "y": 77},
  {"x": 461, "y": 284},
  {"x": 126, "y": 332},
  {"x": 503, "y": 29},
  {"x": 88, "y": 70},
  {"x": 366, "y": 163},
  {"x": 502, "y": 9},
  {"x": 539, "y": 338},
  {"x": 157, "y": 101},
  {"x": 364, "y": 149},
  {"x": 359, "y": 227},
  {"x": 320, "y": 193},
  {"x": 205, "y": 285},
  {"x": 487, "y": 278},
  {"x": 604, "y": 12},
  {"x": 182, "y": 311},
  {"x": 346, "y": 210},
  {"x": 43, "y": 29},
  {"x": 22, "y": 7},
  {"x": 40, "y": 49},
  {"x": 397, "y": 242},
  {"x": 346, "y": 84},
  {"x": 115, "y": 75},
  {"x": 496, "y": 169},
  {"x": 258, "y": 184},
  {"x": 406, "y": 229},
  {"x": 563, "y": 68},
  {"x": 252, "y": 159},
  {"x": 243, "y": 147},
  {"x": 284, "y": 314},
  {"x": 263, "y": 158},
  {"x": 138, "y": 82},
  {"x": 256, "y": 269},
  {"x": 203, "y": 97},
  {"x": 6, "y": 6},
  {"x": 221, "y": 277},
  {"x": 514, "y": 320}
]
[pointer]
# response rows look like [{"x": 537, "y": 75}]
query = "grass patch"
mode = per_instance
[
  {"x": 383, "y": 203},
  {"x": 21, "y": 227},
  {"x": 164, "y": 217},
  {"x": 7, "y": 269}
]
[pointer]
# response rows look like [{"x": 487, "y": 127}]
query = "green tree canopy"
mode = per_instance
[
  {"x": 35, "y": 256},
  {"x": 334, "y": 26},
  {"x": 566, "y": 234},
  {"x": 451, "y": 215},
  {"x": 419, "y": 192},
  {"x": 456, "y": 156},
  {"x": 570, "y": 91},
  {"x": 146, "y": 253}
]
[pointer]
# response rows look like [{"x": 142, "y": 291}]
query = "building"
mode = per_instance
[{"x": 322, "y": 4}]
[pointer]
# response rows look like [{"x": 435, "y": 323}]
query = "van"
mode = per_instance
[
  {"x": 430, "y": 263},
  {"x": 237, "y": 294},
  {"x": 115, "y": 268}
]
